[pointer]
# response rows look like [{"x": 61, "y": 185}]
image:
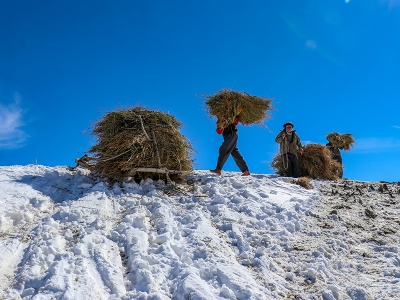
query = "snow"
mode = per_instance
[{"x": 65, "y": 234}]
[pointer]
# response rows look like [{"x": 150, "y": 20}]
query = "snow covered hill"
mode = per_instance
[{"x": 65, "y": 234}]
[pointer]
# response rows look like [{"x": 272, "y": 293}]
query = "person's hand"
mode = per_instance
[
  {"x": 301, "y": 151},
  {"x": 284, "y": 136}
]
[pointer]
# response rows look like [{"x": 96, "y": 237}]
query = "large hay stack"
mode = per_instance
[
  {"x": 227, "y": 104},
  {"x": 342, "y": 141},
  {"x": 133, "y": 138},
  {"x": 315, "y": 162}
]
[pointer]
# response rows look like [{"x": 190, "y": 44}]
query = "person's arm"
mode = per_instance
[
  {"x": 218, "y": 129},
  {"x": 280, "y": 137},
  {"x": 299, "y": 145},
  {"x": 237, "y": 120}
]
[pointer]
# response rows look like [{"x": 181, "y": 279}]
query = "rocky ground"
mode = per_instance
[{"x": 354, "y": 227}]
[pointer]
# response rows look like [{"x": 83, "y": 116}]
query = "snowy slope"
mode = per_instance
[{"x": 68, "y": 235}]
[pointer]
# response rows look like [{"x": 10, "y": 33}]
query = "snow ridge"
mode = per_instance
[{"x": 65, "y": 234}]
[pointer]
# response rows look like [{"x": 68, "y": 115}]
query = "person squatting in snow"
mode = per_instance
[
  {"x": 290, "y": 146},
  {"x": 229, "y": 147}
]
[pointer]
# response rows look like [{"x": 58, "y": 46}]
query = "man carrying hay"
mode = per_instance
[
  {"x": 229, "y": 147},
  {"x": 336, "y": 155},
  {"x": 337, "y": 142},
  {"x": 226, "y": 105},
  {"x": 290, "y": 146}
]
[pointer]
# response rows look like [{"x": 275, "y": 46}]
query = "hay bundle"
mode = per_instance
[
  {"x": 342, "y": 141},
  {"x": 139, "y": 138},
  {"x": 225, "y": 105},
  {"x": 277, "y": 164},
  {"x": 315, "y": 162},
  {"x": 304, "y": 182}
]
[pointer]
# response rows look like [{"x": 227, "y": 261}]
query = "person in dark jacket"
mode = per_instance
[
  {"x": 290, "y": 147},
  {"x": 229, "y": 147},
  {"x": 336, "y": 155}
]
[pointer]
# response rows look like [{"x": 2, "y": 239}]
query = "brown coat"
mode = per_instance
[{"x": 285, "y": 147}]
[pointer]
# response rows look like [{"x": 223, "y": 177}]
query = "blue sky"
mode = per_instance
[{"x": 328, "y": 65}]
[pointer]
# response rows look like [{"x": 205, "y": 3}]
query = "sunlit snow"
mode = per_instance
[{"x": 65, "y": 234}]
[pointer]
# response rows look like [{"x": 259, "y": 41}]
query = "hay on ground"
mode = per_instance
[
  {"x": 225, "y": 105},
  {"x": 315, "y": 162},
  {"x": 304, "y": 182},
  {"x": 136, "y": 137},
  {"x": 342, "y": 141}
]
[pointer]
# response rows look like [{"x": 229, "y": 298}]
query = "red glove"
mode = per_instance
[
  {"x": 219, "y": 130},
  {"x": 237, "y": 119}
]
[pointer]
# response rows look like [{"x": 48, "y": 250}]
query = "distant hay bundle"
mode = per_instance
[
  {"x": 139, "y": 138},
  {"x": 315, "y": 162},
  {"x": 342, "y": 141},
  {"x": 225, "y": 105}
]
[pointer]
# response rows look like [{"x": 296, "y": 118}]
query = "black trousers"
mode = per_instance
[
  {"x": 229, "y": 147},
  {"x": 293, "y": 169}
]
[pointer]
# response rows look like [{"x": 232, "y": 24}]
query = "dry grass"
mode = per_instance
[
  {"x": 342, "y": 141},
  {"x": 315, "y": 162},
  {"x": 136, "y": 137},
  {"x": 277, "y": 164},
  {"x": 304, "y": 182},
  {"x": 225, "y": 106}
]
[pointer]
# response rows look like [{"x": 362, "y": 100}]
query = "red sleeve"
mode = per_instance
[
  {"x": 219, "y": 130},
  {"x": 237, "y": 119}
]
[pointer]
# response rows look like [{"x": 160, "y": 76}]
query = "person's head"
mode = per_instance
[{"x": 288, "y": 126}]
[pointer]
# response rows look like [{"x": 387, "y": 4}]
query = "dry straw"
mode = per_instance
[
  {"x": 277, "y": 164},
  {"x": 225, "y": 105},
  {"x": 342, "y": 141},
  {"x": 315, "y": 162},
  {"x": 139, "y": 138},
  {"x": 304, "y": 182}
]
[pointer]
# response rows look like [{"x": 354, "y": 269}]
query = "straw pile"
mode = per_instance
[
  {"x": 277, "y": 164},
  {"x": 315, "y": 162},
  {"x": 342, "y": 141},
  {"x": 225, "y": 105},
  {"x": 304, "y": 182},
  {"x": 139, "y": 138}
]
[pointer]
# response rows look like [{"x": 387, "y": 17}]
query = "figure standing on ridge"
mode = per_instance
[
  {"x": 290, "y": 146},
  {"x": 229, "y": 147},
  {"x": 336, "y": 155}
]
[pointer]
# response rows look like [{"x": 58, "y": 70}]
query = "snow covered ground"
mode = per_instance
[{"x": 65, "y": 234}]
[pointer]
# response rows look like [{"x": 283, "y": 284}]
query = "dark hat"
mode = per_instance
[{"x": 288, "y": 123}]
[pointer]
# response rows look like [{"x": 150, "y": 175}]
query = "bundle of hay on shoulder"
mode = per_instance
[
  {"x": 227, "y": 104},
  {"x": 136, "y": 138},
  {"x": 342, "y": 141},
  {"x": 315, "y": 162}
]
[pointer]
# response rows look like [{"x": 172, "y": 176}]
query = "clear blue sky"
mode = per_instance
[{"x": 328, "y": 65}]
